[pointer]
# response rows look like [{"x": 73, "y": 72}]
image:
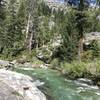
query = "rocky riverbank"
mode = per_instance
[
  {"x": 72, "y": 72},
  {"x": 57, "y": 87},
  {"x": 15, "y": 86}
]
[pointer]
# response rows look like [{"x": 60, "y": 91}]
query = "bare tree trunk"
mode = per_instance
[
  {"x": 80, "y": 51},
  {"x": 31, "y": 29},
  {"x": 27, "y": 27},
  {"x": 31, "y": 42},
  {"x": 28, "y": 32}
]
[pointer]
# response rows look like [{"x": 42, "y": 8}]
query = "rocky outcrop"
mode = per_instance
[
  {"x": 11, "y": 65},
  {"x": 44, "y": 54},
  {"x": 15, "y": 86},
  {"x": 56, "y": 5},
  {"x": 7, "y": 93},
  {"x": 91, "y": 36}
]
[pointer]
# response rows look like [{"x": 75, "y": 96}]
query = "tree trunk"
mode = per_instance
[
  {"x": 80, "y": 51},
  {"x": 31, "y": 42},
  {"x": 27, "y": 27},
  {"x": 29, "y": 33},
  {"x": 31, "y": 29}
]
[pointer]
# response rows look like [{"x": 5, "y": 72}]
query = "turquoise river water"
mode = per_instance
[{"x": 56, "y": 87}]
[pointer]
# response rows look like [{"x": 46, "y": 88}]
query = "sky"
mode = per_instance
[{"x": 63, "y": 0}]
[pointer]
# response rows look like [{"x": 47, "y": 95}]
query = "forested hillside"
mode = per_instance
[
  {"x": 53, "y": 35},
  {"x": 26, "y": 25},
  {"x": 57, "y": 43}
]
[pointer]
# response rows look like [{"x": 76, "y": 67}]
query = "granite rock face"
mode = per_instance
[
  {"x": 7, "y": 93},
  {"x": 15, "y": 86}
]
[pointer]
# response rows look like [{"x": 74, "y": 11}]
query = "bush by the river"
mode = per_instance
[{"x": 78, "y": 69}]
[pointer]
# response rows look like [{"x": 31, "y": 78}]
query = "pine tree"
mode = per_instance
[
  {"x": 13, "y": 23},
  {"x": 10, "y": 23},
  {"x": 2, "y": 19},
  {"x": 80, "y": 24},
  {"x": 68, "y": 50},
  {"x": 21, "y": 19},
  {"x": 2, "y": 13}
]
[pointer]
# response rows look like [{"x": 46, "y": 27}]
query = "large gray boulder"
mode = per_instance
[
  {"x": 15, "y": 86},
  {"x": 7, "y": 93}
]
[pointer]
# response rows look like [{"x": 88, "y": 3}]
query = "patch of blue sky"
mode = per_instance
[{"x": 60, "y": 1}]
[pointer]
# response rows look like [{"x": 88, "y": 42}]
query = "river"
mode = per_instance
[{"x": 56, "y": 87}]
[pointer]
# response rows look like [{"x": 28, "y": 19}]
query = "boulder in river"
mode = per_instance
[{"x": 85, "y": 81}]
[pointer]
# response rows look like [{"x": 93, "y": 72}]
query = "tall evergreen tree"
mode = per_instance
[
  {"x": 10, "y": 23},
  {"x": 14, "y": 22},
  {"x": 2, "y": 13},
  {"x": 80, "y": 24},
  {"x": 68, "y": 50},
  {"x": 21, "y": 19},
  {"x": 2, "y": 19}
]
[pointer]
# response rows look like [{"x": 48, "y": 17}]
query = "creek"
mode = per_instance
[{"x": 57, "y": 87}]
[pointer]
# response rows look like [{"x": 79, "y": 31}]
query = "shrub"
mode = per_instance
[
  {"x": 55, "y": 63},
  {"x": 97, "y": 66},
  {"x": 87, "y": 55},
  {"x": 75, "y": 69}
]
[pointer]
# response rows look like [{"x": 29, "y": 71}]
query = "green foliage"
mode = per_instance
[
  {"x": 81, "y": 23},
  {"x": 69, "y": 47},
  {"x": 95, "y": 49},
  {"x": 2, "y": 10},
  {"x": 11, "y": 36},
  {"x": 79, "y": 70},
  {"x": 2, "y": 18},
  {"x": 11, "y": 53},
  {"x": 93, "y": 21},
  {"x": 55, "y": 63},
  {"x": 12, "y": 28},
  {"x": 97, "y": 63},
  {"x": 21, "y": 19},
  {"x": 45, "y": 34},
  {"x": 87, "y": 56},
  {"x": 45, "y": 25},
  {"x": 44, "y": 9},
  {"x": 75, "y": 69}
]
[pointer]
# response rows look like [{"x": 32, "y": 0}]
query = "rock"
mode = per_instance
[
  {"x": 44, "y": 66},
  {"x": 14, "y": 62},
  {"x": 28, "y": 64},
  {"x": 92, "y": 36},
  {"x": 10, "y": 66},
  {"x": 7, "y": 93},
  {"x": 18, "y": 86},
  {"x": 21, "y": 61},
  {"x": 98, "y": 83},
  {"x": 38, "y": 83},
  {"x": 27, "y": 68},
  {"x": 4, "y": 63},
  {"x": 85, "y": 81},
  {"x": 44, "y": 55},
  {"x": 98, "y": 17}
]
